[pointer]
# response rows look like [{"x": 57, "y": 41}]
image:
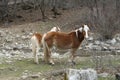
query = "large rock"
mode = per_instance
[{"x": 87, "y": 74}]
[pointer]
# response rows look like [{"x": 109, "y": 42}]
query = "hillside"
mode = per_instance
[{"x": 16, "y": 58}]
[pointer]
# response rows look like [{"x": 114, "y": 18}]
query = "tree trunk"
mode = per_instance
[{"x": 42, "y": 8}]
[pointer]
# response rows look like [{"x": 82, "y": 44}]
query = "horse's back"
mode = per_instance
[
  {"x": 59, "y": 39},
  {"x": 38, "y": 36}
]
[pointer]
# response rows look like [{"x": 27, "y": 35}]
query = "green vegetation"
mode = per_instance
[
  {"x": 17, "y": 67},
  {"x": 106, "y": 78}
]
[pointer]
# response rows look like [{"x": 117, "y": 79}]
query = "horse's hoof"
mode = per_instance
[
  {"x": 71, "y": 63},
  {"x": 51, "y": 64},
  {"x": 36, "y": 63}
]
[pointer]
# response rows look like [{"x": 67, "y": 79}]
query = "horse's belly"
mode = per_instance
[
  {"x": 63, "y": 46},
  {"x": 63, "y": 43}
]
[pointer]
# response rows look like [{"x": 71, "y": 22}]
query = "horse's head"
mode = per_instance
[
  {"x": 56, "y": 29},
  {"x": 84, "y": 29}
]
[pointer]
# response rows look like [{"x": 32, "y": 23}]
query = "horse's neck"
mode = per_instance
[{"x": 80, "y": 36}]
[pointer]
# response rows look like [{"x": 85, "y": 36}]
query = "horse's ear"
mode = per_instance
[
  {"x": 82, "y": 25},
  {"x": 81, "y": 29}
]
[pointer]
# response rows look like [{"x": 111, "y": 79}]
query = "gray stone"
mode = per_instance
[
  {"x": 97, "y": 42},
  {"x": 86, "y": 74},
  {"x": 24, "y": 77},
  {"x": 117, "y": 37},
  {"x": 104, "y": 48},
  {"x": 112, "y": 48},
  {"x": 90, "y": 39},
  {"x": 35, "y": 76},
  {"x": 113, "y": 41},
  {"x": 93, "y": 47},
  {"x": 103, "y": 74},
  {"x": 2, "y": 33}
]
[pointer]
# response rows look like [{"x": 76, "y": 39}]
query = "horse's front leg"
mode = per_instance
[
  {"x": 49, "y": 57},
  {"x": 72, "y": 56}
]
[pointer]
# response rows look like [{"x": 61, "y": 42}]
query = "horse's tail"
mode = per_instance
[{"x": 46, "y": 49}]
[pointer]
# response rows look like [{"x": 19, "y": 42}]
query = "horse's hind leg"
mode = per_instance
[
  {"x": 35, "y": 55},
  {"x": 47, "y": 56},
  {"x": 35, "y": 50},
  {"x": 50, "y": 59},
  {"x": 47, "y": 52}
]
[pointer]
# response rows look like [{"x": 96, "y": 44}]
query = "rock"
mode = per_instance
[
  {"x": 24, "y": 77},
  {"x": 96, "y": 36},
  {"x": 103, "y": 74},
  {"x": 8, "y": 61},
  {"x": 117, "y": 46},
  {"x": 8, "y": 47},
  {"x": 105, "y": 44},
  {"x": 104, "y": 48},
  {"x": 118, "y": 51},
  {"x": 90, "y": 38},
  {"x": 13, "y": 53},
  {"x": 8, "y": 40},
  {"x": 113, "y": 41},
  {"x": 44, "y": 79},
  {"x": 55, "y": 55},
  {"x": 97, "y": 42},
  {"x": 2, "y": 33},
  {"x": 117, "y": 37},
  {"x": 25, "y": 37},
  {"x": 35, "y": 76},
  {"x": 111, "y": 48},
  {"x": 8, "y": 55},
  {"x": 93, "y": 47},
  {"x": 87, "y": 74}
]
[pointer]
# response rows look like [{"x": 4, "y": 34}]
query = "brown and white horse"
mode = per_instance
[
  {"x": 36, "y": 43},
  {"x": 61, "y": 40}
]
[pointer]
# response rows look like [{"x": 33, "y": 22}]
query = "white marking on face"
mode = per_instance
[
  {"x": 76, "y": 31},
  {"x": 86, "y": 29}
]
